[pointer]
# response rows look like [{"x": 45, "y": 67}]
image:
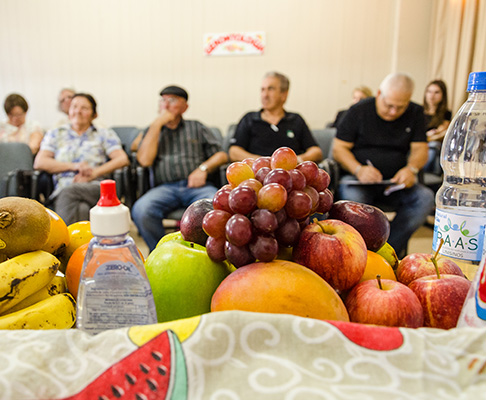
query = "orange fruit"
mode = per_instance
[
  {"x": 377, "y": 265},
  {"x": 58, "y": 238},
  {"x": 79, "y": 234},
  {"x": 74, "y": 267}
]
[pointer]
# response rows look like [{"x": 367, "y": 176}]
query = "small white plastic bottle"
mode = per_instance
[{"x": 114, "y": 290}]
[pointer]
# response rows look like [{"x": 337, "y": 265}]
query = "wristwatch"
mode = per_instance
[
  {"x": 413, "y": 169},
  {"x": 203, "y": 168}
]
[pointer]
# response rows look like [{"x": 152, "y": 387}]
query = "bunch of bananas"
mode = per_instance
[{"x": 32, "y": 296}]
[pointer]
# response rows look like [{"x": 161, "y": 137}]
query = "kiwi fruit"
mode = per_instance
[{"x": 24, "y": 226}]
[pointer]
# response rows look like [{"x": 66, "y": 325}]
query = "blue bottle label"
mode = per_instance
[
  {"x": 463, "y": 235},
  {"x": 117, "y": 296}
]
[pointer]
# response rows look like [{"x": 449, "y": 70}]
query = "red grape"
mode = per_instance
[
  {"x": 238, "y": 255},
  {"x": 262, "y": 173},
  {"x": 220, "y": 199},
  {"x": 215, "y": 248},
  {"x": 264, "y": 220},
  {"x": 242, "y": 200},
  {"x": 260, "y": 162},
  {"x": 298, "y": 179},
  {"x": 326, "y": 200},
  {"x": 253, "y": 183},
  {"x": 237, "y": 172},
  {"x": 309, "y": 169},
  {"x": 280, "y": 176},
  {"x": 239, "y": 230},
  {"x": 248, "y": 161},
  {"x": 264, "y": 247},
  {"x": 299, "y": 204},
  {"x": 288, "y": 234},
  {"x": 272, "y": 197},
  {"x": 322, "y": 181},
  {"x": 281, "y": 216},
  {"x": 314, "y": 195},
  {"x": 284, "y": 157},
  {"x": 214, "y": 223}
]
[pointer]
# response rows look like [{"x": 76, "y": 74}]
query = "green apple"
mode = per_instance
[
  {"x": 183, "y": 279},
  {"x": 170, "y": 236}
]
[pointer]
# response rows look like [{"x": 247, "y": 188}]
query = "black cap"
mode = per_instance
[{"x": 176, "y": 91}]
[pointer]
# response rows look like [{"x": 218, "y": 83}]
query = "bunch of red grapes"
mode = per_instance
[{"x": 266, "y": 204}]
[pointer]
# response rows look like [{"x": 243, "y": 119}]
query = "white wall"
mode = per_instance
[{"x": 125, "y": 51}]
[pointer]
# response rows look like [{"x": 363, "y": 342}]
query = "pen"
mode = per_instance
[{"x": 369, "y": 163}]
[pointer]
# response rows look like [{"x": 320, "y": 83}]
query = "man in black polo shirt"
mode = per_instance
[
  {"x": 260, "y": 133},
  {"x": 182, "y": 152},
  {"x": 383, "y": 138}
]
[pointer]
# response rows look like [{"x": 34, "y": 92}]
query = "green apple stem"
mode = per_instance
[
  {"x": 434, "y": 258},
  {"x": 378, "y": 278}
]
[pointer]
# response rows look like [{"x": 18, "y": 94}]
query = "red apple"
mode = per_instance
[
  {"x": 417, "y": 265},
  {"x": 442, "y": 298},
  {"x": 334, "y": 250},
  {"x": 384, "y": 302},
  {"x": 369, "y": 221}
]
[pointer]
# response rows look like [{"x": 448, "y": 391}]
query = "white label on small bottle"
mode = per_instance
[
  {"x": 117, "y": 296},
  {"x": 463, "y": 235}
]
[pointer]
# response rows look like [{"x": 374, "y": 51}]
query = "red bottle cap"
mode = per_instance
[{"x": 108, "y": 197}]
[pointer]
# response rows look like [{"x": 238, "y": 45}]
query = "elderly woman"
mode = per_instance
[
  {"x": 16, "y": 128},
  {"x": 79, "y": 155}
]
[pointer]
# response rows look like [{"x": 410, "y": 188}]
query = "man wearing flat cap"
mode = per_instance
[{"x": 182, "y": 153}]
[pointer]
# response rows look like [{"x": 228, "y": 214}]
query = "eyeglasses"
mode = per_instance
[
  {"x": 169, "y": 100},
  {"x": 65, "y": 99}
]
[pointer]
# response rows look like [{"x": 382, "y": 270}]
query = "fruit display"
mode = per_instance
[{"x": 32, "y": 293}]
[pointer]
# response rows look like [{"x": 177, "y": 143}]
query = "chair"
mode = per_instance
[
  {"x": 17, "y": 175},
  {"x": 127, "y": 135},
  {"x": 324, "y": 138}
]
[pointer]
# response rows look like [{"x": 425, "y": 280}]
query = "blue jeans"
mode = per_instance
[
  {"x": 150, "y": 209},
  {"x": 412, "y": 206}
]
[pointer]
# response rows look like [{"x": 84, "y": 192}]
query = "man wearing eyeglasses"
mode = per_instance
[
  {"x": 383, "y": 138},
  {"x": 182, "y": 153}
]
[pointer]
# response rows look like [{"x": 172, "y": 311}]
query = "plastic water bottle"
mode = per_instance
[
  {"x": 114, "y": 290},
  {"x": 460, "y": 216}
]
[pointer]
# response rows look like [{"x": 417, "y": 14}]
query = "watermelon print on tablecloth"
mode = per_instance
[{"x": 156, "y": 370}]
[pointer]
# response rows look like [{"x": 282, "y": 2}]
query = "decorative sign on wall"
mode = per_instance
[{"x": 235, "y": 43}]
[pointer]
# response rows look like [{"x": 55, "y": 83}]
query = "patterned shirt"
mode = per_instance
[
  {"x": 10, "y": 133},
  {"x": 93, "y": 147},
  {"x": 182, "y": 150}
]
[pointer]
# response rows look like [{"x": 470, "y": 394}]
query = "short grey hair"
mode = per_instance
[
  {"x": 397, "y": 81},
  {"x": 284, "y": 81}
]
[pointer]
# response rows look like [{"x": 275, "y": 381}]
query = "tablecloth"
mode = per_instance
[{"x": 242, "y": 355}]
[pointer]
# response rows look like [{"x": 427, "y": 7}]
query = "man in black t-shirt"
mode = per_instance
[
  {"x": 260, "y": 133},
  {"x": 383, "y": 138}
]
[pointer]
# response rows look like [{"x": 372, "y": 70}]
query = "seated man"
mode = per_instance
[
  {"x": 182, "y": 152},
  {"x": 260, "y": 133},
  {"x": 384, "y": 138}
]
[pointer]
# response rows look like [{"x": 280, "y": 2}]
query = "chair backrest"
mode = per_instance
[
  {"x": 324, "y": 138},
  {"x": 127, "y": 135},
  {"x": 217, "y": 132},
  {"x": 14, "y": 157},
  {"x": 229, "y": 136}
]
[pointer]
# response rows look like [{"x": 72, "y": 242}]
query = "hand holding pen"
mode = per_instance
[{"x": 369, "y": 174}]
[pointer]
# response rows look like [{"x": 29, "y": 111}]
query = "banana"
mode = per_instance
[
  {"x": 24, "y": 275},
  {"x": 55, "y": 286},
  {"x": 388, "y": 252},
  {"x": 55, "y": 312}
]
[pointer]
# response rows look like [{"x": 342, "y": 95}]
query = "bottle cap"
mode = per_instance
[
  {"x": 109, "y": 217},
  {"x": 476, "y": 81}
]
